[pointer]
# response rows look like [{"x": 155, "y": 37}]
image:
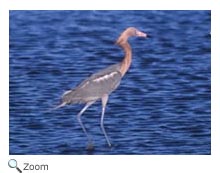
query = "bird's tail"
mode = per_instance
[{"x": 57, "y": 107}]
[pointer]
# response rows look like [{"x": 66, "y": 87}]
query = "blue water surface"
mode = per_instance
[{"x": 163, "y": 105}]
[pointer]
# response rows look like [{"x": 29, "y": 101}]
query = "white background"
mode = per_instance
[{"x": 98, "y": 164}]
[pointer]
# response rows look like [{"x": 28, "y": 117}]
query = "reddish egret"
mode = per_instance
[{"x": 101, "y": 84}]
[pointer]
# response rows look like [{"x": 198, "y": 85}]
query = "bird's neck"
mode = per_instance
[{"x": 126, "y": 62}]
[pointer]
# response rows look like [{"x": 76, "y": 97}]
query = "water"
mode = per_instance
[{"x": 161, "y": 107}]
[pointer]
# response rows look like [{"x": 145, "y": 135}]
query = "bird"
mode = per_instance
[{"x": 101, "y": 84}]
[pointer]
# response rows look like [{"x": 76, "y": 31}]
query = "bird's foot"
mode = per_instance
[{"x": 90, "y": 147}]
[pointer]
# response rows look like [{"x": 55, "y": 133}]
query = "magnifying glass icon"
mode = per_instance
[{"x": 12, "y": 163}]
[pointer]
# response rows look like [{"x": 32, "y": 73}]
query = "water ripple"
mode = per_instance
[{"x": 161, "y": 107}]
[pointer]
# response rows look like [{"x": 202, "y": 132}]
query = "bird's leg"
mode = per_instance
[
  {"x": 104, "y": 102},
  {"x": 90, "y": 146}
]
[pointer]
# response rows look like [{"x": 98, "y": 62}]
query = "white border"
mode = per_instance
[
  {"x": 112, "y": 4},
  {"x": 100, "y": 164}
]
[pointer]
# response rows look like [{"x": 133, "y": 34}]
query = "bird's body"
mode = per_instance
[
  {"x": 101, "y": 84},
  {"x": 94, "y": 87}
]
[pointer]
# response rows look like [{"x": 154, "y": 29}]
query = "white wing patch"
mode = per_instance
[
  {"x": 67, "y": 92},
  {"x": 107, "y": 76},
  {"x": 85, "y": 84}
]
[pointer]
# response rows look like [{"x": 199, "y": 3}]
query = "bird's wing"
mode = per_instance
[
  {"x": 103, "y": 82},
  {"x": 101, "y": 73},
  {"x": 93, "y": 88}
]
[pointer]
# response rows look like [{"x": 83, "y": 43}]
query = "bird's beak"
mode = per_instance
[{"x": 141, "y": 34}]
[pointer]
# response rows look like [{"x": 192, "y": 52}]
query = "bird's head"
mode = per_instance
[{"x": 130, "y": 32}]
